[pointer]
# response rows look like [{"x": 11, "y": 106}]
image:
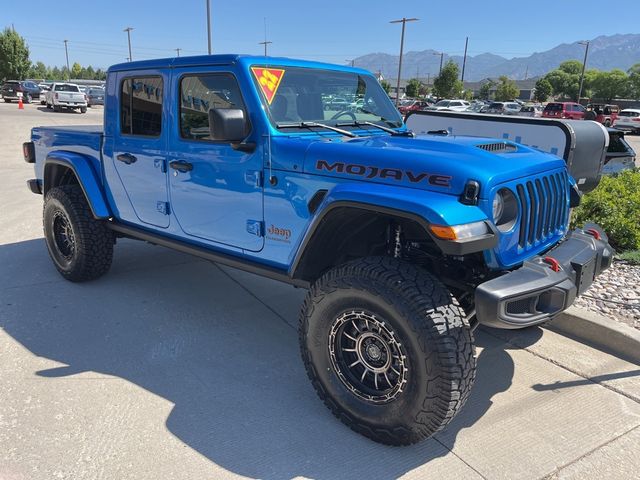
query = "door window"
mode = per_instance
[
  {"x": 141, "y": 106},
  {"x": 198, "y": 94}
]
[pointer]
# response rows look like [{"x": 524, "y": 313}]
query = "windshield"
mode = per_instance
[
  {"x": 297, "y": 95},
  {"x": 553, "y": 107},
  {"x": 443, "y": 103},
  {"x": 629, "y": 113}
]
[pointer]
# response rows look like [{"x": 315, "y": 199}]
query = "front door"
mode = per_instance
[
  {"x": 216, "y": 190},
  {"x": 140, "y": 146}
]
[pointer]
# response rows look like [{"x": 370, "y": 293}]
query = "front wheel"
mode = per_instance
[
  {"x": 387, "y": 348},
  {"x": 83, "y": 109},
  {"x": 80, "y": 246}
]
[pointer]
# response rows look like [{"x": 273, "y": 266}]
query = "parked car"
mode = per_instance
[
  {"x": 530, "y": 111},
  {"x": 628, "y": 120},
  {"x": 405, "y": 243},
  {"x": 451, "y": 105},
  {"x": 620, "y": 156},
  {"x": 10, "y": 89},
  {"x": 95, "y": 96},
  {"x": 477, "y": 107},
  {"x": 66, "y": 95},
  {"x": 338, "y": 104},
  {"x": 504, "y": 108},
  {"x": 43, "y": 95},
  {"x": 570, "y": 110},
  {"x": 605, "y": 114},
  {"x": 407, "y": 106}
]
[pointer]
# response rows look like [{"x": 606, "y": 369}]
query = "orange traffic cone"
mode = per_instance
[{"x": 20, "y": 105}]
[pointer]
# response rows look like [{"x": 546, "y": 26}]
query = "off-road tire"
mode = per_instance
[
  {"x": 430, "y": 326},
  {"x": 91, "y": 250}
]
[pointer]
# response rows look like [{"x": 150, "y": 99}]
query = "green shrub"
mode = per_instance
[
  {"x": 615, "y": 206},
  {"x": 633, "y": 257}
]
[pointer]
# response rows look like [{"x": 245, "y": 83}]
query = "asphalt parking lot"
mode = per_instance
[{"x": 174, "y": 367}]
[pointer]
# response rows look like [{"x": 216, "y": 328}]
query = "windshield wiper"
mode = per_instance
[
  {"x": 358, "y": 123},
  {"x": 316, "y": 124}
]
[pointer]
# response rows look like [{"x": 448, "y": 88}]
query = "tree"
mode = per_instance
[
  {"x": 102, "y": 75},
  {"x": 413, "y": 88},
  {"x": 634, "y": 80},
  {"x": 76, "y": 71},
  {"x": 485, "y": 89},
  {"x": 543, "y": 90},
  {"x": 572, "y": 67},
  {"x": 447, "y": 85},
  {"x": 14, "y": 56},
  {"x": 563, "y": 84},
  {"x": 610, "y": 85},
  {"x": 386, "y": 86},
  {"x": 89, "y": 73},
  {"x": 38, "y": 71},
  {"x": 506, "y": 90}
]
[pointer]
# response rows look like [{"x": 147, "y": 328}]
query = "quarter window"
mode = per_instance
[
  {"x": 141, "y": 106},
  {"x": 199, "y": 94}
]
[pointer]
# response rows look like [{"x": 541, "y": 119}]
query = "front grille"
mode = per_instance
[{"x": 544, "y": 208}]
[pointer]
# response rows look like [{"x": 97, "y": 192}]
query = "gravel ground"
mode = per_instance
[{"x": 615, "y": 294}]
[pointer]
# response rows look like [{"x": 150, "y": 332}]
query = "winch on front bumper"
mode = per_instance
[{"x": 545, "y": 285}]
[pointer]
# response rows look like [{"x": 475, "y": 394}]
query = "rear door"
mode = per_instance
[
  {"x": 140, "y": 144},
  {"x": 216, "y": 190}
]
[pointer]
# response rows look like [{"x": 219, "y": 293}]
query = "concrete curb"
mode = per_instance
[{"x": 616, "y": 338}]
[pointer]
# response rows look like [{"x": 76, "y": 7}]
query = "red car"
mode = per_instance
[
  {"x": 571, "y": 110},
  {"x": 408, "y": 106},
  {"x": 605, "y": 114}
]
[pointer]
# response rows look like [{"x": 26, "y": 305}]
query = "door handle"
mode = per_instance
[
  {"x": 127, "y": 158},
  {"x": 181, "y": 166}
]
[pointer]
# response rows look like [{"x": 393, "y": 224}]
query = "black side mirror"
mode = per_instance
[{"x": 227, "y": 124}]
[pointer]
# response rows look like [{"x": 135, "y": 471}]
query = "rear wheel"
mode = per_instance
[
  {"x": 387, "y": 349},
  {"x": 56, "y": 108},
  {"x": 6, "y": 100},
  {"x": 80, "y": 246}
]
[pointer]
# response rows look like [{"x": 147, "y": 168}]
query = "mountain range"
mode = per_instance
[{"x": 605, "y": 53}]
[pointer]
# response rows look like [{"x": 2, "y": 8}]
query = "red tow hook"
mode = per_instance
[
  {"x": 553, "y": 263},
  {"x": 594, "y": 233}
]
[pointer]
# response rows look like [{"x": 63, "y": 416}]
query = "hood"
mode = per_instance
[{"x": 429, "y": 162}]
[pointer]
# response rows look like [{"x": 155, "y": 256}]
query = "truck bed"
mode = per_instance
[{"x": 84, "y": 139}]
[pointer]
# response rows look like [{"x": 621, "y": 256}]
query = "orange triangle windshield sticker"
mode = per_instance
[{"x": 269, "y": 80}]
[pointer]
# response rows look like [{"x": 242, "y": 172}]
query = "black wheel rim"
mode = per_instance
[
  {"x": 367, "y": 356},
  {"x": 63, "y": 237}
]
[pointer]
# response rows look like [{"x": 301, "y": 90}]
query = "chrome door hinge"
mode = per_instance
[
  {"x": 163, "y": 207},
  {"x": 255, "y": 227},
  {"x": 253, "y": 177}
]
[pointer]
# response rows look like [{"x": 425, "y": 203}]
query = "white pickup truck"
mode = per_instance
[{"x": 66, "y": 95}]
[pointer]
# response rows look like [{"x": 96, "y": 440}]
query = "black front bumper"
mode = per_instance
[{"x": 545, "y": 285}]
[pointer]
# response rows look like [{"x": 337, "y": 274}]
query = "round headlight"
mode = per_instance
[{"x": 505, "y": 209}]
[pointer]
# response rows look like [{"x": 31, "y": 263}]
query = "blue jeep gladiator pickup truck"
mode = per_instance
[{"x": 405, "y": 243}]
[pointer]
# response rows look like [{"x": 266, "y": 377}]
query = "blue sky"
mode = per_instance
[{"x": 324, "y": 30}]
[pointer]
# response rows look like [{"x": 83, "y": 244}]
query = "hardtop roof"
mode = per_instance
[{"x": 226, "y": 59}]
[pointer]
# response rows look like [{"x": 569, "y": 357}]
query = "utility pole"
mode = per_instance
[
  {"x": 265, "y": 43},
  {"x": 441, "y": 58},
  {"x": 66, "y": 52},
  {"x": 352, "y": 62},
  {"x": 178, "y": 51},
  {"x": 128, "y": 30},
  {"x": 404, "y": 23},
  {"x": 464, "y": 61},
  {"x": 584, "y": 65},
  {"x": 209, "y": 25}
]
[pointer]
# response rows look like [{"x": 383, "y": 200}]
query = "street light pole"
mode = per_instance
[
  {"x": 128, "y": 30},
  {"x": 441, "y": 58},
  {"x": 404, "y": 23},
  {"x": 265, "y": 43},
  {"x": 66, "y": 52},
  {"x": 209, "y": 25},
  {"x": 178, "y": 51},
  {"x": 584, "y": 65},
  {"x": 464, "y": 61}
]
